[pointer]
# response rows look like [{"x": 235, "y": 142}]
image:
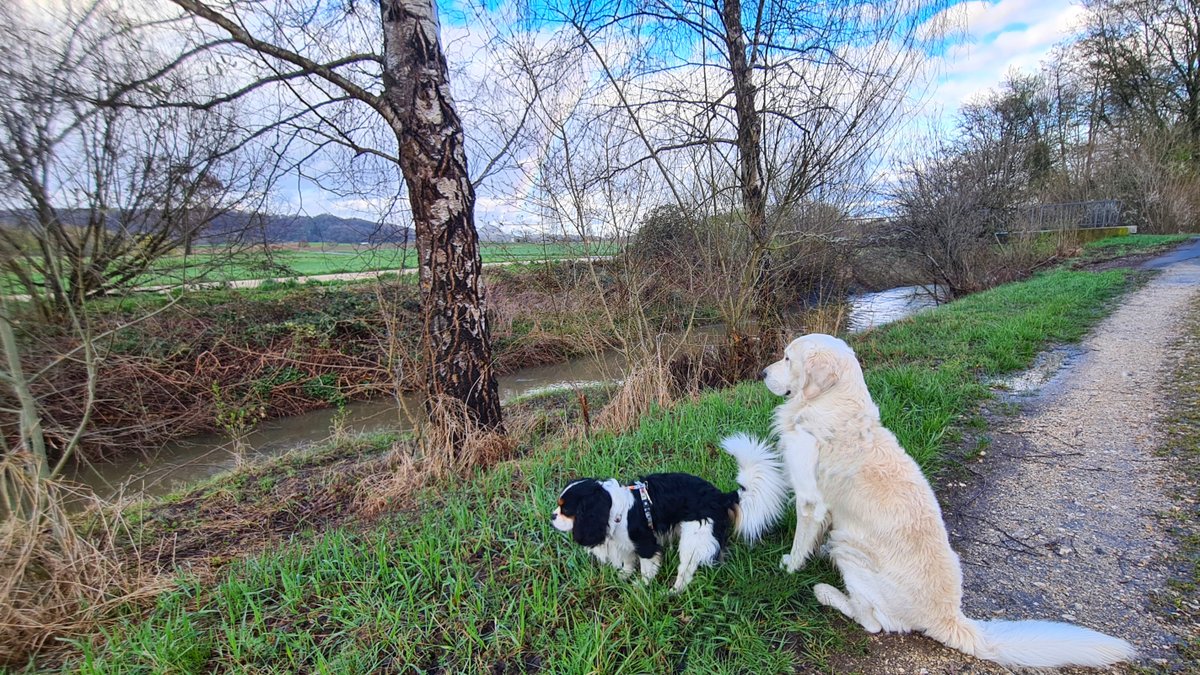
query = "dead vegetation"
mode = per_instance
[
  {"x": 61, "y": 574},
  {"x": 226, "y": 360}
]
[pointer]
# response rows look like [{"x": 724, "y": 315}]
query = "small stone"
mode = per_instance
[
  {"x": 1068, "y": 617},
  {"x": 1065, "y": 550}
]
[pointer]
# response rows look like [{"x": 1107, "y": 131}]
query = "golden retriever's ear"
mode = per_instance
[{"x": 820, "y": 373}]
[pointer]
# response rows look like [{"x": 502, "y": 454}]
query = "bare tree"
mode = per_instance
[
  {"x": 749, "y": 110},
  {"x": 101, "y": 184},
  {"x": 1145, "y": 58}
]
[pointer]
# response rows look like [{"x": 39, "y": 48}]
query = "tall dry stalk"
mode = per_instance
[{"x": 61, "y": 573}]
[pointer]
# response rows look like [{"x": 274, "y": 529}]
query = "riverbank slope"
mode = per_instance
[{"x": 472, "y": 577}]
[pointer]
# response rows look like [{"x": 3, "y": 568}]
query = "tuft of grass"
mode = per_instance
[{"x": 479, "y": 581}]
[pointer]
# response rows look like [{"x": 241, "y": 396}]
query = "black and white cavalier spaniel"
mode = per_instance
[{"x": 626, "y": 525}]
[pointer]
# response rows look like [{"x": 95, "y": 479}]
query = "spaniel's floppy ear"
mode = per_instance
[
  {"x": 591, "y": 521},
  {"x": 821, "y": 372}
]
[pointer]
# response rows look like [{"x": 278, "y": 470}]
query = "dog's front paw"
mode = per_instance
[{"x": 791, "y": 563}]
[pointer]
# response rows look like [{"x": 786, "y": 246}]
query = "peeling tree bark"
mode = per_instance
[{"x": 457, "y": 339}]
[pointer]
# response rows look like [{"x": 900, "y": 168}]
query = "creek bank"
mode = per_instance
[
  {"x": 229, "y": 362},
  {"x": 225, "y": 360},
  {"x": 238, "y": 512},
  {"x": 195, "y": 458}
]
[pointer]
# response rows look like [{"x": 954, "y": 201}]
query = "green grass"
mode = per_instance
[
  {"x": 1134, "y": 243},
  {"x": 328, "y": 259},
  {"x": 479, "y": 580}
]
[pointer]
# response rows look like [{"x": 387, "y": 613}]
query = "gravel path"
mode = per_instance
[{"x": 1060, "y": 517}]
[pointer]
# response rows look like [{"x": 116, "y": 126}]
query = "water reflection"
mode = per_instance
[
  {"x": 205, "y": 455},
  {"x": 868, "y": 310}
]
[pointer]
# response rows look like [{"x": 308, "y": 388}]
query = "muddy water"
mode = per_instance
[
  {"x": 868, "y": 310},
  {"x": 200, "y": 457}
]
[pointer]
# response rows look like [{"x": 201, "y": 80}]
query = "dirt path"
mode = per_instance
[{"x": 1060, "y": 518}]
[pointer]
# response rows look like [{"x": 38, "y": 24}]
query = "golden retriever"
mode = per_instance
[{"x": 886, "y": 534}]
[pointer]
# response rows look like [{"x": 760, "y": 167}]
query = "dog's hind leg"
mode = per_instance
[
  {"x": 697, "y": 546},
  {"x": 853, "y": 607},
  {"x": 812, "y": 517}
]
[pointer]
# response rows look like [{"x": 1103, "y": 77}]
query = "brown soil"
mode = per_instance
[{"x": 249, "y": 510}]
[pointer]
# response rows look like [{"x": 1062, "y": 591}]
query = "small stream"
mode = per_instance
[
  {"x": 868, "y": 310},
  {"x": 199, "y": 457}
]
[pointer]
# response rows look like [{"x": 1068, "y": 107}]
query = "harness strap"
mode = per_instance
[{"x": 640, "y": 491}]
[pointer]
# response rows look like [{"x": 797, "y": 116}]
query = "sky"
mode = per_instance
[
  {"x": 999, "y": 37},
  {"x": 994, "y": 38},
  {"x": 991, "y": 38}
]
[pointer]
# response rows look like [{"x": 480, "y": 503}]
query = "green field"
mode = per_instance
[
  {"x": 478, "y": 581},
  {"x": 289, "y": 261}
]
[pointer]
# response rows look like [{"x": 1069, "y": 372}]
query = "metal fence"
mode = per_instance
[{"x": 1067, "y": 216}]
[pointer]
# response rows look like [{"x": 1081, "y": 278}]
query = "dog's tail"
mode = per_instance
[
  {"x": 760, "y": 499},
  {"x": 1034, "y": 644}
]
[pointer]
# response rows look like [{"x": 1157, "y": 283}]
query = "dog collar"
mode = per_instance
[{"x": 643, "y": 493}]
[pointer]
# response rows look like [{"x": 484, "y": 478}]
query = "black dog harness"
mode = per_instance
[{"x": 640, "y": 491}]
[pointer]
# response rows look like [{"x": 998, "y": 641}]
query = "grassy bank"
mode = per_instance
[
  {"x": 1114, "y": 248},
  {"x": 477, "y": 580}
]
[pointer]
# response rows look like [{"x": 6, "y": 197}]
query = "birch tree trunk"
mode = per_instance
[{"x": 457, "y": 340}]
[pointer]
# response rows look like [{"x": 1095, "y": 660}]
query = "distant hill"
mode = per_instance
[{"x": 324, "y": 227}]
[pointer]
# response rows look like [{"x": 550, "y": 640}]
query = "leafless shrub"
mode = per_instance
[
  {"x": 102, "y": 182},
  {"x": 1159, "y": 189}
]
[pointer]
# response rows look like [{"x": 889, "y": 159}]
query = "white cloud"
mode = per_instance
[{"x": 1000, "y": 37}]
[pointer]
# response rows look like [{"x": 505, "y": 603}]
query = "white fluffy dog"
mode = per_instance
[{"x": 886, "y": 533}]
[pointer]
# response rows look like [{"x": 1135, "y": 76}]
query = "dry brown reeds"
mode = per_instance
[
  {"x": 647, "y": 385},
  {"x": 61, "y": 573},
  {"x": 447, "y": 445}
]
